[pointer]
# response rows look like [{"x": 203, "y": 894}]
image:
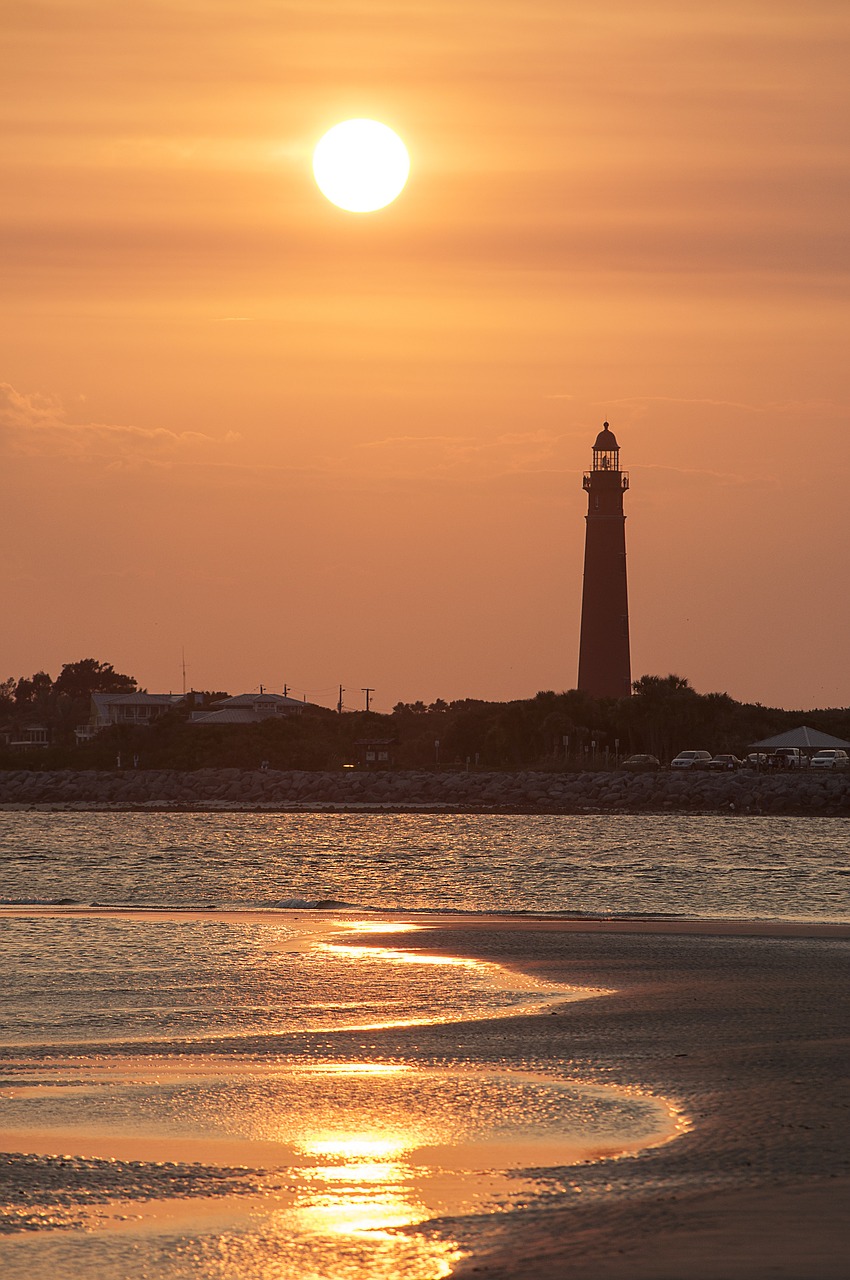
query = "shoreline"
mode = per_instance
[{"x": 322, "y": 920}]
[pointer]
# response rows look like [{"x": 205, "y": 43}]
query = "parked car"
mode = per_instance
[
  {"x": 788, "y": 758},
  {"x": 725, "y": 761},
  {"x": 757, "y": 760},
  {"x": 641, "y": 763},
  {"x": 691, "y": 760},
  {"x": 830, "y": 758}
]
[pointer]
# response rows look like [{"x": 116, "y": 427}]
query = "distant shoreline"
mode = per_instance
[{"x": 526, "y": 792}]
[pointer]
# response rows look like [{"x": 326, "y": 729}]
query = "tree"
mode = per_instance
[
  {"x": 7, "y": 696},
  {"x": 82, "y": 679},
  {"x": 33, "y": 692},
  {"x": 664, "y": 711}
]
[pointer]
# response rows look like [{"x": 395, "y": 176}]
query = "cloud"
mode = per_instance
[{"x": 36, "y": 424}]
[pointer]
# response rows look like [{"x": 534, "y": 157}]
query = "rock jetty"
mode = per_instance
[{"x": 611, "y": 791}]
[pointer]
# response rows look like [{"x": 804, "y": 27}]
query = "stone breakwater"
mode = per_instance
[{"x": 527, "y": 792}]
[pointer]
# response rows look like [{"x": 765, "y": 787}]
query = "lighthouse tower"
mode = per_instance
[{"x": 604, "y": 668}]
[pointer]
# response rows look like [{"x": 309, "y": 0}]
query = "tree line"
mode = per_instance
[{"x": 568, "y": 730}]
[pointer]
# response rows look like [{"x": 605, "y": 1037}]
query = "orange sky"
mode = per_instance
[{"x": 319, "y": 447}]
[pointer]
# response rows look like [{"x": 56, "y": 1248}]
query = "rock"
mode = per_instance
[{"x": 526, "y": 791}]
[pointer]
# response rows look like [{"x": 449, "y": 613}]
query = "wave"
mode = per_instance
[
  {"x": 40, "y": 902},
  {"x": 337, "y": 904},
  {"x": 312, "y": 904}
]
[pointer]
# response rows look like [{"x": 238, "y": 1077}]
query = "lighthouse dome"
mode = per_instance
[{"x": 606, "y": 439}]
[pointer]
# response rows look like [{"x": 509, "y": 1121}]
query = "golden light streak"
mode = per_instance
[{"x": 355, "y": 1146}]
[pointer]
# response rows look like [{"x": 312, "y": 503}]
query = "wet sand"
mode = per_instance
[
  {"x": 746, "y": 1025},
  {"x": 743, "y": 1025}
]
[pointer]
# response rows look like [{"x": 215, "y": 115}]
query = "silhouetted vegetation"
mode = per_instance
[
  {"x": 567, "y": 730},
  {"x": 59, "y": 705}
]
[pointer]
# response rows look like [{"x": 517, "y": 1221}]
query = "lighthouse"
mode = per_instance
[{"x": 604, "y": 667}]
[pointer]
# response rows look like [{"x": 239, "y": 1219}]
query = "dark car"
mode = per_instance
[
  {"x": 725, "y": 761},
  {"x": 641, "y": 764}
]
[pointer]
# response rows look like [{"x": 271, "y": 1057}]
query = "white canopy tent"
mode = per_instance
[{"x": 805, "y": 738}]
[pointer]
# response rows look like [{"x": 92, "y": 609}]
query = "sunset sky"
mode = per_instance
[{"x": 317, "y": 447}]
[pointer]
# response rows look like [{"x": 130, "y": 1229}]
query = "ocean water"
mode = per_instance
[
  {"x": 191, "y": 1079},
  {"x": 741, "y": 867}
]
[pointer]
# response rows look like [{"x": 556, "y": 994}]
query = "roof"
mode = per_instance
[
  {"x": 606, "y": 439},
  {"x": 137, "y": 699},
  {"x": 231, "y": 715},
  {"x": 277, "y": 700},
  {"x": 805, "y": 738}
]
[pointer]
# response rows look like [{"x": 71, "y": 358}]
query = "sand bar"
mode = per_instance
[
  {"x": 746, "y": 1024},
  {"x": 743, "y": 1024}
]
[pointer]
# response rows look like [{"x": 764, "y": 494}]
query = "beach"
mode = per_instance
[
  {"x": 739, "y": 1026},
  {"x": 746, "y": 1025}
]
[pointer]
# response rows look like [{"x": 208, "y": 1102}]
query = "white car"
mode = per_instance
[
  {"x": 691, "y": 760},
  {"x": 829, "y": 759},
  {"x": 788, "y": 758}
]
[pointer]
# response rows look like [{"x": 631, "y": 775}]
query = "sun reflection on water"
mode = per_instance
[
  {"x": 359, "y": 1153},
  {"x": 364, "y": 1171},
  {"x": 393, "y": 956},
  {"x": 343, "y": 1211},
  {"x": 412, "y": 1144},
  {"x": 379, "y": 926},
  {"x": 354, "y": 1147},
  {"x": 357, "y": 1184}
]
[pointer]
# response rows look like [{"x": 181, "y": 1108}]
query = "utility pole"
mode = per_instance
[
  {"x": 286, "y": 691},
  {"x": 183, "y": 655},
  {"x": 367, "y": 692},
  {"x": 339, "y": 704}
]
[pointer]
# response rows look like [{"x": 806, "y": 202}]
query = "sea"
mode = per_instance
[
  {"x": 741, "y": 867},
  {"x": 192, "y": 1083}
]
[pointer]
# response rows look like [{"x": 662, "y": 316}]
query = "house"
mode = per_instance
[
  {"x": 31, "y": 735},
  {"x": 249, "y": 708},
  {"x": 137, "y": 709}
]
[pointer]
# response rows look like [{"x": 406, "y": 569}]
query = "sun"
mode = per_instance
[{"x": 360, "y": 165}]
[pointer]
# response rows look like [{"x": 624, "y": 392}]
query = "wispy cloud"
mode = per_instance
[{"x": 38, "y": 423}]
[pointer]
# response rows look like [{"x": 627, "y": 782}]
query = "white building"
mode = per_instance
[{"x": 125, "y": 708}]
